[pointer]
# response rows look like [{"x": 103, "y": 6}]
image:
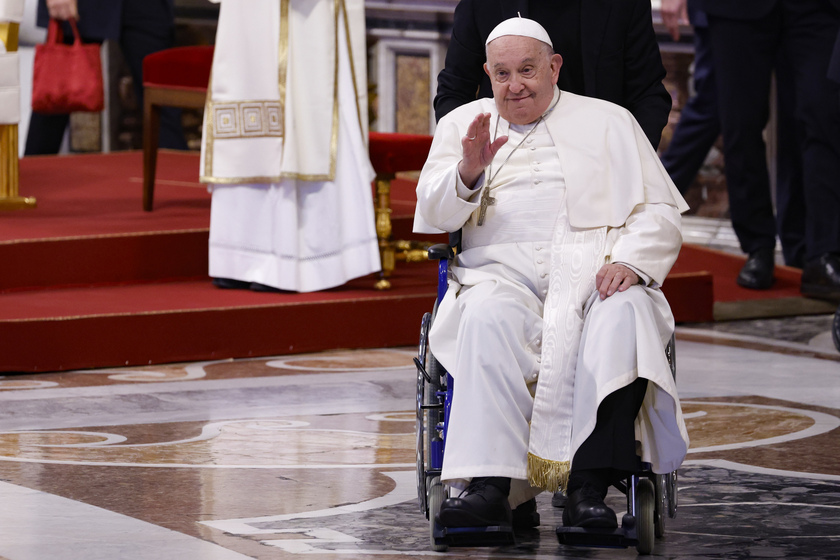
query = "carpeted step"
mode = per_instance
[
  {"x": 89, "y": 227},
  {"x": 71, "y": 328},
  {"x": 104, "y": 259}
]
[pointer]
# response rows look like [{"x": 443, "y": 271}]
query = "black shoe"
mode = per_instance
[
  {"x": 257, "y": 287},
  {"x": 585, "y": 507},
  {"x": 821, "y": 278},
  {"x": 231, "y": 284},
  {"x": 482, "y": 504},
  {"x": 558, "y": 500},
  {"x": 525, "y": 515},
  {"x": 757, "y": 272}
]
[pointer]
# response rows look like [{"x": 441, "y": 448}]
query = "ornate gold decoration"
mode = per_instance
[
  {"x": 246, "y": 119},
  {"x": 9, "y": 35},
  {"x": 391, "y": 251},
  {"x": 9, "y": 163}
]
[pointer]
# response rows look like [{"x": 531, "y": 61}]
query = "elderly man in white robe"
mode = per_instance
[{"x": 553, "y": 326}]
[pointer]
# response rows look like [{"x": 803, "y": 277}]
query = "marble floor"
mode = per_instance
[
  {"x": 281, "y": 457},
  {"x": 272, "y": 458}
]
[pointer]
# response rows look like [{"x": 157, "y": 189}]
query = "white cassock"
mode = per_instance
[
  {"x": 284, "y": 145},
  {"x": 532, "y": 348}
]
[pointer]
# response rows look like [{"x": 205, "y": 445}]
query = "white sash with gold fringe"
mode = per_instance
[{"x": 576, "y": 257}]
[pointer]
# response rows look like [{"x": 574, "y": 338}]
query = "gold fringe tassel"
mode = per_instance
[{"x": 548, "y": 475}]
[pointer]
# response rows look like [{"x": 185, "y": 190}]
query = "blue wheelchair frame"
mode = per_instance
[
  {"x": 649, "y": 495},
  {"x": 434, "y": 402}
]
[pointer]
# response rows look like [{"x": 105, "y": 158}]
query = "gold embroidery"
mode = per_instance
[
  {"x": 274, "y": 118},
  {"x": 334, "y": 140},
  {"x": 241, "y": 119},
  {"x": 208, "y": 129},
  {"x": 362, "y": 125},
  {"x": 283, "y": 51}
]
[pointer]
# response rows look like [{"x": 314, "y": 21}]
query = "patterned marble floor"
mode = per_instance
[{"x": 275, "y": 458}]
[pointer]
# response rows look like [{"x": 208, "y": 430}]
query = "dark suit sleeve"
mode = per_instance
[
  {"x": 463, "y": 70},
  {"x": 644, "y": 93},
  {"x": 98, "y": 19},
  {"x": 834, "y": 64}
]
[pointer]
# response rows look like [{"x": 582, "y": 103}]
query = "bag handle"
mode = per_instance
[{"x": 56, "y": 35}]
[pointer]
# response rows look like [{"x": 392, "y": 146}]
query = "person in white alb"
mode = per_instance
[
  {"x": 284, "y": 147},
  {"x": 553, "y": 326}
]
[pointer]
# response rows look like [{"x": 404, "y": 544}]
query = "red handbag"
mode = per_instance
[{"x": 66, "y": 78}]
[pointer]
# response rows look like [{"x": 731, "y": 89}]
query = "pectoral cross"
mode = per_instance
[{"x": 486, "y": 200}]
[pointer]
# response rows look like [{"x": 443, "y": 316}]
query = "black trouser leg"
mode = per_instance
[
  {"x": 609, "y": 453},
  {"x": 45, "y": 134},
  {"x": 744, "y": 53},
  {"x": 148, "y": 26}
]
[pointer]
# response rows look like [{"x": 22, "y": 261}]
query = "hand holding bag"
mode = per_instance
[{"x": 66, "y": 78}]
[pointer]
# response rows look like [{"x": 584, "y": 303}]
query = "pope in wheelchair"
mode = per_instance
[{"x": 553, "y": 325}]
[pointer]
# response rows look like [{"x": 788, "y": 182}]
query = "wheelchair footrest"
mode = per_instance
[
  {"x": 496, "y": 535},
  {"x": 622, "y": 537}
]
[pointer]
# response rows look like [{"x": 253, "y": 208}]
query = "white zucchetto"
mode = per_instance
[{"x": 521, "y": 27}]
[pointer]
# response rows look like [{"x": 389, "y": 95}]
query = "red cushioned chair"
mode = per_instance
[
  {"x": 392, "y": 153},
  {"x": 176, "y": 77}
]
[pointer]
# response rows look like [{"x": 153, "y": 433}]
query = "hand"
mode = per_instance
[
  {"x": 477, "y": 149},
  {"x": 63, "y": 9},
  {"x": 614, "y": 277},
  {"x": 673, "y": 13}
]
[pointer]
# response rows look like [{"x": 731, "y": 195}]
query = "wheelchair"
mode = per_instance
[{"x": 650, "y": 497}]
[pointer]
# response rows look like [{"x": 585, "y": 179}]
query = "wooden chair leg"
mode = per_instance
[{"x": 151, "y": 135}]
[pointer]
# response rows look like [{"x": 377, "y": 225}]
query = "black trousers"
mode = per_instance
[
  {"x": 147, "y": 27},
  {"x": 795, "y": 38},
  {"x": 699, "y": 125},
  {"x": 612, "y": 444}
]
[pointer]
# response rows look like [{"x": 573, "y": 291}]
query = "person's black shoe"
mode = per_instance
[
  {"x": 558, "y": 499},
  {"x": 231, "y": 284},
  {"x": 257, "y": 287},
  {"x": 482, "y": 504},
  {"x": 526, "y": 516},
  {"x": 757, "y": 272},
  {"x": 821, "y": 278},
  {"x": 585, "y": 507}
]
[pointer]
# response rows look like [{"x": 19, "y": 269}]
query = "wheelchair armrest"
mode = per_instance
[{"x": 441, "y": 251}]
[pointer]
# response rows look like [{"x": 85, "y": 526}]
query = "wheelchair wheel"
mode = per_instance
[
  {"x": 835, "y": 331},
  {"x": 437, "y": 494},
  {"x": 646, "y": 496},
  {"x": 671, "y": 487},
  {"x": 661, "y": 488},
  {"x": 422, "y": 398},
  {"x": 429, "y": 408},
  {"x": 420, "y": 428}
]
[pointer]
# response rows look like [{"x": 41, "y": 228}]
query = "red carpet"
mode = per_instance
[
  {"x": 90, "y": 280},
  {"x": 734, "y": 302},
  {"x": 726, "y": 268}
]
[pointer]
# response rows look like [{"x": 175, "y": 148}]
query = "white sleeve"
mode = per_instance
[{"x": 649, "y": 241}]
